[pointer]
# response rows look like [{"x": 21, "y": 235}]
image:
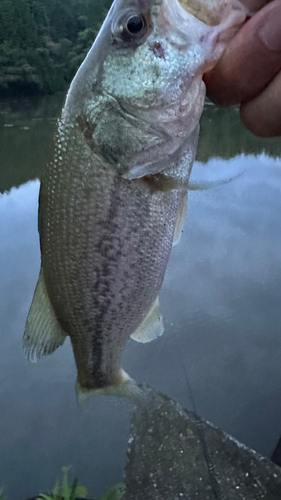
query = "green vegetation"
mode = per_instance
[
  {"x": 114, "y": 493},
  {"x": 43, "y": 42},
  {"x": 2, "y": 496},
  {"x": 65, "y": 491}
]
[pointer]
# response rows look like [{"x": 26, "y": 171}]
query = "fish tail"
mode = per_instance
[{"x": 127, "y": 389}]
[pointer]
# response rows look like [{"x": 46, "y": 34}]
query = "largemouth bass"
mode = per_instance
[{"x": 113, "y": 200}]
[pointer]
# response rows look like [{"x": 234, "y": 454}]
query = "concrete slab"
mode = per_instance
[
  {"x": 175, "y": 455},
  {"x": 276, "y": 455}
]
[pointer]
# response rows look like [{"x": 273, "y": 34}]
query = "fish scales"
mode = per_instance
[
  {"x": 108, "y": 270},
  {"x": 113, "y": 200}
]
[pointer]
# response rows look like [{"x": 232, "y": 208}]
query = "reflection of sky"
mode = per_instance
[{"x": 221, "y": 303}]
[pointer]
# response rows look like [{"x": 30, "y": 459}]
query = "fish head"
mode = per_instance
[
  {"x": 161, "y": 47},
  {"x": 143, "y": 77}
]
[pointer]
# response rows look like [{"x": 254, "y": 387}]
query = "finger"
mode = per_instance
[
  {"x": 251, "y": 60},
  {"x": 262, "y": 115}
]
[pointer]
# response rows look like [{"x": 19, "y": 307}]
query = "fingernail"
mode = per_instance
[{"x": 270, "y": 30}]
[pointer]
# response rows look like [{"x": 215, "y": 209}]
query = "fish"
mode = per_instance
[{"x": 113, "y": 200}]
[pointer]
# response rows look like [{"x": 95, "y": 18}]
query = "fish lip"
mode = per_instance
[
  {"x": 200, "y": 12},
  {"x": 209, "y": 17}
]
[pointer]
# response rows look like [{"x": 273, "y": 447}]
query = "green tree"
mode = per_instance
[{"x": 42, "y": 42}]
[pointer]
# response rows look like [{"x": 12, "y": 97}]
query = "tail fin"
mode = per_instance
[{"x": 127, "y": 389}]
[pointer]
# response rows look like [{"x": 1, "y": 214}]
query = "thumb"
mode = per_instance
[{"x": 251, "y": 60}]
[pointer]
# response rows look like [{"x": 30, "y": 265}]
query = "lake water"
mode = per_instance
[{"x": 221, "y": 301}]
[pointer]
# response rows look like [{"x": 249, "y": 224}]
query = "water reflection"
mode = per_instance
[
  {"x": 41, "y": 427},
  {"x": 221, "y": 299},
  {"x": 27, "y": 128},
  {"x": 223, "y": 136}
]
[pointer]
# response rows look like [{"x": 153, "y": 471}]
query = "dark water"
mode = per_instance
[{"x": 221, "y": 301}]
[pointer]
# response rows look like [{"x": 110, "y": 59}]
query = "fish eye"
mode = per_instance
[
  {"x": 131, "y": 27},
  {"x": 135, "y": 24}
]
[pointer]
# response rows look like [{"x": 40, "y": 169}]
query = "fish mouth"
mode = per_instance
[{"x": 201, "y": 12}]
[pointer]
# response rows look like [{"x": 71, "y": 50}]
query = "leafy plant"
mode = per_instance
[
  {"x": 2, "y": 496},
  {"x": 64, "y": 490},
  {"x": 114, "y": 493}
]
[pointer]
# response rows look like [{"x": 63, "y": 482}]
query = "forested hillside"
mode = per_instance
[{"x": 43, "y": 42}]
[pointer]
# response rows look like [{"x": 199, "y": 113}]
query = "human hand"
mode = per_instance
[{"x": 249, "y": 72}]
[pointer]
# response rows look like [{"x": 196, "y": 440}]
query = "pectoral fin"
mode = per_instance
[
  {"x": 43, "y": 333},
  {"x": 151, "y": 327},
  {"x": 180, "y": 220},
  {"x": 205, "y": 185}
]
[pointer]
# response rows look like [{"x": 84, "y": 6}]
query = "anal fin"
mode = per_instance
[
  {"x": 180, "y": 220},
  {"x": 151, "y": 327},
  {"x": 43, "y": 333}
]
